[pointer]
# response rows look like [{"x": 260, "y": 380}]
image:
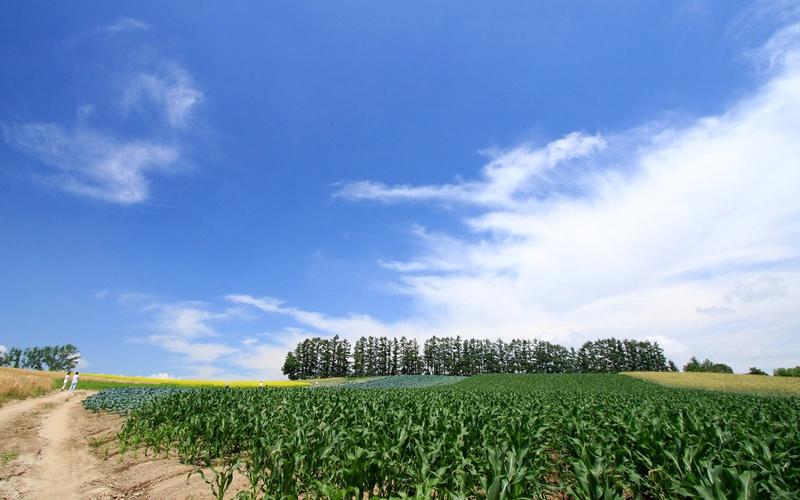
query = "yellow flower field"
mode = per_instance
[
  {"x": 126, "y": 379},
  {"x": 761, "y": 384}
]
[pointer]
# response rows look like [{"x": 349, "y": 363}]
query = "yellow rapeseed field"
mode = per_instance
[
  {"x": 126, "y": 379},
  {"x": 760, "y": 384},
  {"x": 16, "y": 383}
]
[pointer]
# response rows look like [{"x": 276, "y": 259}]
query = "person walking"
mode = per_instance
[
  {"x": 66, "y": 379},
  {"x": 74, "y": 382}
]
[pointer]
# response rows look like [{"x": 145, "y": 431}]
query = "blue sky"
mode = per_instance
[{"x": 191, "y": 190}]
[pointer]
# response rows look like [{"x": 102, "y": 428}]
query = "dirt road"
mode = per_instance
[{"x": 51, "y": 447}]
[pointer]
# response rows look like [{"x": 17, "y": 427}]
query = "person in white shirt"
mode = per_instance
[
  {"x": 66, "y": 379},
  {"x": 74, "y": 382}
]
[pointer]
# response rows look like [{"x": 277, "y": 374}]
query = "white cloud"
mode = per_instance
[
  {"x": 351, "y": 326},
  {"x": 92, "y": 163},
  {"x": 162, "y": 375},
  {"x": 105, "y": 161},
  {"x": 126, "y": 24},
  {"x": 403, "y": 267},
  {"x": 187, "y": 319},
  {"x": 505, "y": 181},
  {"x": 715, "y": 310},
  {"x": 264, "y": 361},
  {"x": 187, "y": 329},
  {"x": 3, "y": 349},
  {"x": 194, "y": 332},
  {"x": 193, "y": 351},
  {"x": 762, "y": 288},
  {"x": 171, "y": 90}
]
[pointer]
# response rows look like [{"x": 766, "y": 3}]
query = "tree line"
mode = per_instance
[
  {"x": 787, "y": 372},
  {"x": 381, "y": 356},
  {"x": 52, "y": 358}
]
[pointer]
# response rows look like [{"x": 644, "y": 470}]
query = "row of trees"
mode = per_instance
[
  {"x": 379, "y": 356},
  {"x": 318, "y": 358},
  {"x": 385, "y": 356},
  {"x": 787, "y": 372},
  {"x": 53, "y": 358},
  {"x": 710, "y": 367}
]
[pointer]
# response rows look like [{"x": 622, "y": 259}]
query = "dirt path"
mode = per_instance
[
  {"x": 12, "y": 411},
  {"x": 65, "y": 468},
  {"x": 51, "y": 447},
  {"x": 44, "y": 453}
]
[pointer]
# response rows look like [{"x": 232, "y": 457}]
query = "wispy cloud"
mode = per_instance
[
  {"x": 187, "y": 329},
  {"x": 125, "y": 24},
  {"x": 92, "y": 163},
  {"x": 353, "y": 325},
  {"x": 198, "y": 336},
  {"x": 715, "y": 310},
  {"x": 171, "y": 90},
  {"x": 506, "y": 181},
  {"x": 102, "y": 160},
  {"x": 762, "y": 288}
]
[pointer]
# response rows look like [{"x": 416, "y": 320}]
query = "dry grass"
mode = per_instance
[
  {"x": 753, "y": 384},
  {"x": 16, "y": 383}
]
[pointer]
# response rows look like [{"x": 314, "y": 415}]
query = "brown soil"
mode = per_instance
[{"x": 51, "y": 447}]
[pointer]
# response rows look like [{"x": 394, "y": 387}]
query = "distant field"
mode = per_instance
[
  {"x": 105, "y": 381},
  {"x": 752, "y": 384}
]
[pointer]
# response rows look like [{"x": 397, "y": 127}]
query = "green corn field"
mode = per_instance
[{"x": 488, "y": 436}]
